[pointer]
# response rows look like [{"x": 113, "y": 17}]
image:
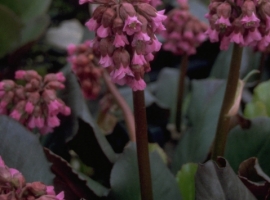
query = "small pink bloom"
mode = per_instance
[
  {"x": 212, "y": 34},
  {"x": 252, "y": 36},
  {"x": 188, "y": 35},
  {"x": 106, "y": 61},
  {"x": 85, "y": 1},
  {"x": 157, "y": 21},
  {"x": 60, "y": 196},
  {"x": 39, "y": 122},
  {"x": 20, "y": 74},
  {"x": 71, "y": 49},
  {"x": 118, "y": 75},
  {"x": 138, "y": 59},
  {"x": 29, "y": 107},
  {"x": 149, "y": 57},
  {"x": 140, "y": 36},
  {"x": 15, "y": 114},
  {"x": 250, "y": 21},
  {"x": 2, "y": 84},
  {"x": 54, "y": 106},
  {"x": 155, "y": 3},
  {"x": 65, "y": 110},
  {"x": 50, "y": 190},
  {"x": 92, "y": 24},
  {"x": 137, "y": 84},
  {"x": 237, "y": 38},
  {"x": 201, "y": 37},
  {"x": 170, "y": 46},
  {"x": 31, "y": 123},
  {"x": 60, "y": 77},
  {"x": 103, "y": 32},
  {"x": 120, "y": 40},
  {"x": 53, "y": 121},
  {"x": 223, "y": 22},
  {"x": 132, "y": 25}
]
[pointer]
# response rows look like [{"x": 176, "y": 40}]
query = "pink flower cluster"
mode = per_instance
[
  {"x": 244, "y": 22},
  {"x": 125, "y": 38},
  {"x": 84, "y": 64},
  {"x": 184, "y": 31},
  {"x": 14, "y": 187},
  {"x": 35, "y": 104}
]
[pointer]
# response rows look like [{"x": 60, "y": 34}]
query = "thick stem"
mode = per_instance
[
  {"x": 181, "y": 88},
  {"x": 142, "y": 145},
  {"x": 128, "y": 115},
  {"x": 224, "y": 120}
]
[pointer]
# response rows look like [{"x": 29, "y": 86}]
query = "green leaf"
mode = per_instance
[
  {"x": 186, "y": 180},
  {"x": 261, "y": 93},
  {"x": 34, "y": 29},
  {"x": 166, "y": 89},
  {"x": 220, "y": 69},
  {"x": 20, "y": 149},
  {"x": 245, "y": 143},
  {"x": 27, "y": 9},
  {"x": 219, "y": 182},
  {"x": 125, "y": 177},
  {"x": 255, "y": 109},
  {"x": 203, "y": 112},
  {"x": 11, "y": 27}
]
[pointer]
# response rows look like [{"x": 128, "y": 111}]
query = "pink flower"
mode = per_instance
[
  {"x": 53, "y": 121},
  {"x": 155, "y": 3},
  {"x": 60, "y": 77},
  {"x": 223, "y": 22},
  {"x": 85, "y": 1},
  {"x": 71, "y": 49},
  {"x": 29, "y": 107},
  {"x": 132, "y": 25},
  {"x": 20, "y": 74},
  {"x": 212, "y": 34},
  {"x": 92, "y": 24},
  {"x": 50, "y": 190},
  {"x": 103, "y": 32},
  {"x": 250, "y": 21},
  {"x": 106, "y": 61},
  {"x": 237, "y": 38},
  {"x": 252, "y": 36},
  {"x": 149, "y": 57},
  {"x": 137, "y": 84},
  {"x": 60, "y": 196},
  {"x": 54, "y": 106},
  {"x": 120, "y": 40},
  {"x": 39, "y": 122},
  {"x": 31, "y": 123},
  {"x": 118, "y": 75},
  {"x": 15, "y": 114},
  {"x": 140, "y": 36},
  {"x": 158, "y": 19},
  {"x": 138, "y": 59}
]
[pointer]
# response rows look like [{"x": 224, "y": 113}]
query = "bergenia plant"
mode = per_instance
[
  {"x": 14, "y": 186},
  {"x": 34, "y": 104},
  {"x": 184, "y": 33}
]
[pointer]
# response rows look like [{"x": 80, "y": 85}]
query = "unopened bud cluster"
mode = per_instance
[
  {"x": 35, "y": 104},
  {"x": 184, "y": 32},
  {"x": 244, "y": 22},
  {"x": 84, "y": 64},
  {"x": 14, "y": 187},
  {"x": 125, "y": 38}
]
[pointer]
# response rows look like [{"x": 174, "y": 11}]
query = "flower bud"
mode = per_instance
[
  {"x": 108, "y": 17},
  {"x": 36, "y": 188},
  {"x": 118, "y": 25},
  {"x": 121, "y": 57},
  {"x": 127, "y": 10}
]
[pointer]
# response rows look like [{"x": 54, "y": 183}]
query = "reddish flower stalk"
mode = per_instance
[
  {"x": 184, "y": 33},
  {"x": 35, "y": 105}
]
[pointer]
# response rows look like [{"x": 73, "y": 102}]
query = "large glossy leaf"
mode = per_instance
[
  {"x": 203, "y": 112},
  {"x": 81, "y": 132},
  {"x": 20, "y": 149},
  {"x": 219, "y": 182},
  {"x": 34, "y": 29},
  {"x": 125, "y": 178},
  {"x": 220, "y": 69},
  {"x": 27, "y": 9},
  {"x": 186, "y": 180},
  {"x": 254, "y": 178},
  {"x": 74, "y": 185},
  {"x": 10, "y": 26},
  {"x": 166, "y": 89},
  {"x": 245, "y": 143}
]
